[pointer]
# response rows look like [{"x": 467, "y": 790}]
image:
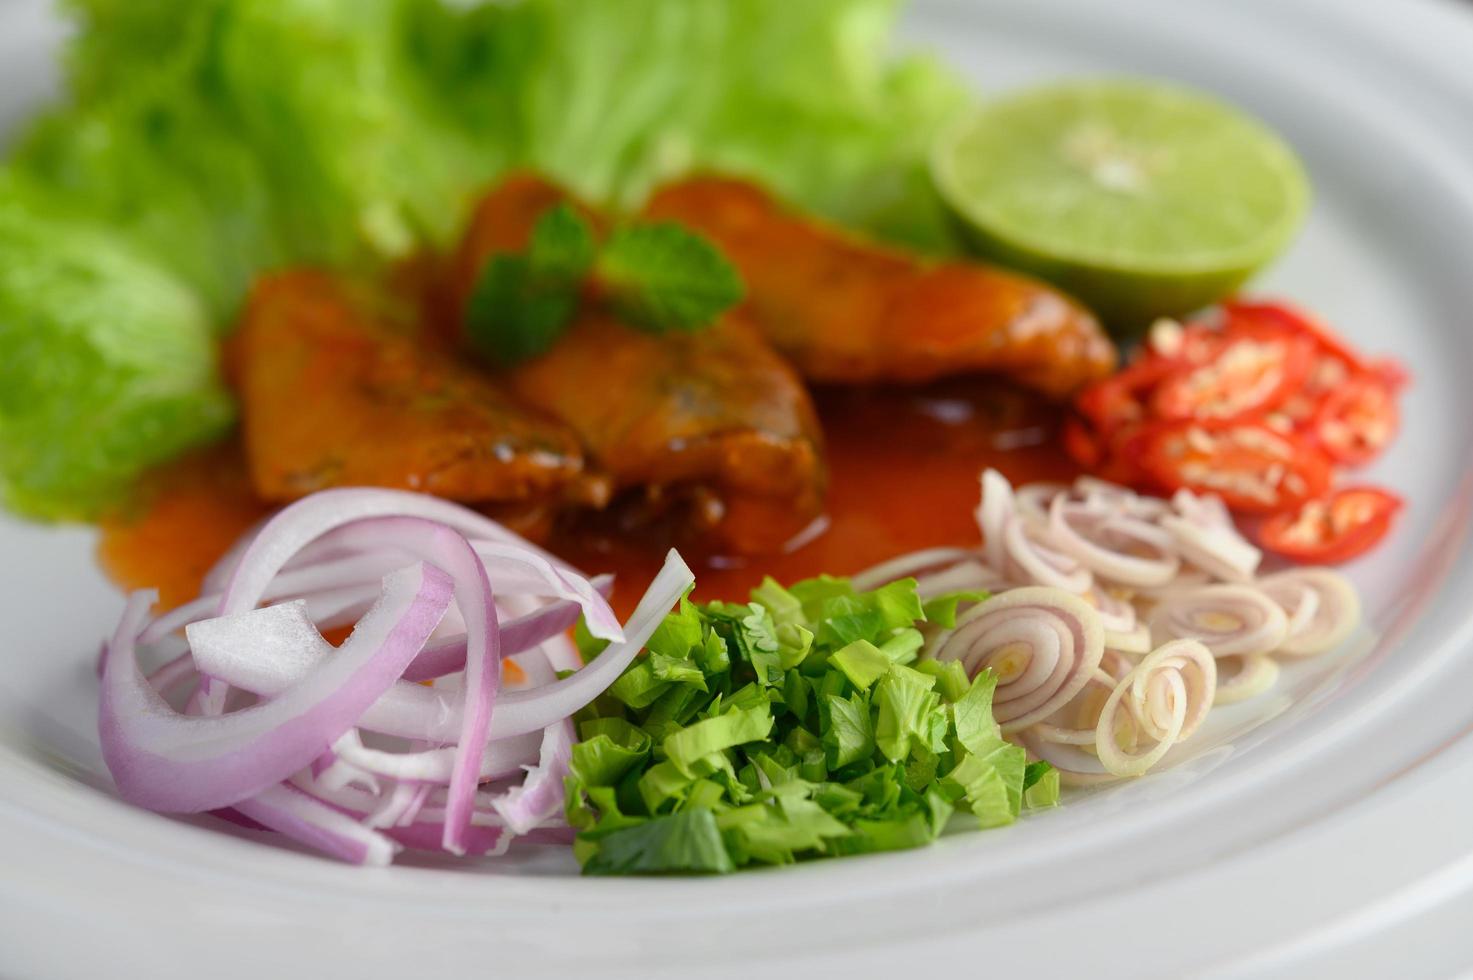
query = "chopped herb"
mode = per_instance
[{"x": 795, "y": 726}]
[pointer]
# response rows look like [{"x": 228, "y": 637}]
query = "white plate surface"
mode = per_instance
[{"x": 1377, "y": 105}]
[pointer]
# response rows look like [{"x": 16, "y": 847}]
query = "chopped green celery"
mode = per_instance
[
  {"x": 781, "y": 605},
  {"x": 688, "y": 842},
  {"x": 941, "y": 609},
  {"x": 849, "y": 736},
  {"x": 698, "y": 741},
  {"x": 1043, "y": 792},
  {"x": 862, "y": 662},
  {"x": 638, "y": 687},
  {"x": 951, "y": 678},
  {"x": 679, "y": 634},
  {"x": 909, "y": 712},
  {"x": 903, "y": 647}
]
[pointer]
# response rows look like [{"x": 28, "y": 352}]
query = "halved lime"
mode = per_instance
[{"x": 1142, "y": 198}]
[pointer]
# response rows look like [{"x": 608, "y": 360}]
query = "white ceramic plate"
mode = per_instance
[{"x": 1375, "y": 106}]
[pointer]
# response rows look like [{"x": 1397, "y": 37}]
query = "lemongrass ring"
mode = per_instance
[
  {"x": 1117, "y": 614},
  {"x": 967, "y": 576},
  {"x": 1167, "y": 695},
  {"x": 1253, "y": 675},
  {"x": 915, "y": 564},
  {"x": 1044, "y": 645},
  {"x": 1135, "y": 641},
  {"x": 1332, "y": 604},
  {"x": 1186, "y": 580},
  {"x": 1230, "y": 619}
]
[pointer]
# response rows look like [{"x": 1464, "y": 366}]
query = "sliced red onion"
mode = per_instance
[
  {"x": 561, "y": 654},
  {"x": 1113, "y": 498},
  {"x": 357, "y": 502},
  {"x": 1032, "y": 561},
  {"x": 1204, "y": 534},
  {"x": 499, "y": 760},
  {"x": 441, "y": 657},
  {"x": 175, "y": 763},
  {"x": 477, "y": 841},
  {"x": 1230, "y": 619},
  {"x": 1252, "y": 675},
  {"x": 1032, "y": 500},
  {"x": 1074, "y": 724},
  {"x": 540, "y": 796},
  {"x": 395, "y": 805},
  {"x": 415, "y": 711},
  {"x": 287, "y": 810},
  {"x": 1044, "y": 645},
  {"x": 1323, "y": 608},
  {"x": 1124, "y": 549},
  {"x": 992, "y": 516}
]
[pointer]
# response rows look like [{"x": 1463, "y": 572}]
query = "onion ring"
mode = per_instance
[
  {"x": 1230, "y": 619},
  {"x": 1043, "y": 644}
]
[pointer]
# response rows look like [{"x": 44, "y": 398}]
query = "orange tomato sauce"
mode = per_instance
[{"x": 903, "y": 470}]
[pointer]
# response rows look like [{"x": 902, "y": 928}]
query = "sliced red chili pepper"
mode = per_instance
[
  {"x": 1239, "y": 314},
  {"x": 1081, "y": 444},
  {"x": 1122, "y": 397},
  {"x": 1250, "y": 371},
  {"x": 1357, "y": 420},
  {"x": 1332, "y": 529},
  {"x": 1121, "y": 453},
  {"x": 1391, "y": 371},
  {"x": 1251, "y": 466}
]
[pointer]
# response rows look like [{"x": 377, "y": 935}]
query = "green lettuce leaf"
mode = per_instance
[
  {"x": 107, "y": 364},
  {"x": 203, "y": 143}
]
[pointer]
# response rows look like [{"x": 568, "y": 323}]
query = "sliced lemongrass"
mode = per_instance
[
  {"x": 1248, "y": 677},
  {"x": 1167, "y": 695},
  {"x": 1323, "y": 607}
]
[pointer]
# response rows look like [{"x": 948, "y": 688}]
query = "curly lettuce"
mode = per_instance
[{"x": 201, "y": 143}]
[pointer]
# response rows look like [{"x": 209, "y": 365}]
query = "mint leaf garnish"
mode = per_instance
[{"x": 660, "y": 277}]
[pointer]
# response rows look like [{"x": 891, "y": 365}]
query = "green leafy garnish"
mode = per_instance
[
  {"x": 522, "y": 303},
  {"x": 663, "y": 277},
  {"x": 794, "y": 726},
  {"x": 200, "y": 144},
  {"x": 655, "y": 277}
]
